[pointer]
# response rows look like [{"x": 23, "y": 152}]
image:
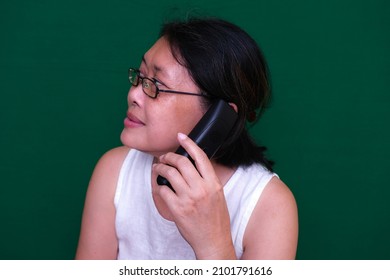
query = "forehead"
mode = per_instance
[
  {"x": 159, "y": 57},
  {"x": 159, "y": 61}
]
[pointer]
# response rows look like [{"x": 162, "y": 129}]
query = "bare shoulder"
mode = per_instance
[
  {"x": 112, "y": 160},
  {"x": 277, "y": 197},
  {"x": 97, "y": 236},
  {"x": 106, "y": 173},
  {"x": 272, "y": 230},
  {"x": 102, "y": 185}
]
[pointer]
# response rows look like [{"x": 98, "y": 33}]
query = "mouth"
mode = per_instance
[{"x": 132, "y": 121}]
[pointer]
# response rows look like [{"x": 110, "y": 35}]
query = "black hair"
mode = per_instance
[{"x": 226, "y": 63}]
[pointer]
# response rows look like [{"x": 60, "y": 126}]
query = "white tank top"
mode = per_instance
[{"x": 144, "y": 234}]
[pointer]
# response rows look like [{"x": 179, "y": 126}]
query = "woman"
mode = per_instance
[{"x": 229, "y": 207}]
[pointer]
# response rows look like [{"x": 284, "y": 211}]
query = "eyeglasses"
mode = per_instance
[{"x": 149, "y": 86}]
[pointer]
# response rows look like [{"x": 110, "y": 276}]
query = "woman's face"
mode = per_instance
[{"x": 152, "y": 125}]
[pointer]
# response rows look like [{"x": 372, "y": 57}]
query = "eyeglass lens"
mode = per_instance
[{"x": 148, "y": 86}]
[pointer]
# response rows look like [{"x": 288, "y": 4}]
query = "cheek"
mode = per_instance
[
  {"x": 161, "y": 126},
  {"x": 181, "y": 117},
  {"x": 163, "y": 121}
]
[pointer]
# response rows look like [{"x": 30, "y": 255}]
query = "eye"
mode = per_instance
[
  {"x": 158, "y": 83},
  {"x": 147, "y": 84}
]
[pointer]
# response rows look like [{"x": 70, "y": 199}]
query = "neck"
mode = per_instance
[{"x": 223, "y": 172}]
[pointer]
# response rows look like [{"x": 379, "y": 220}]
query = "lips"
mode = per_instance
[{"x": 132, "y": 121}]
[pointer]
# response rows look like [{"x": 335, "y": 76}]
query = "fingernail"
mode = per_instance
[{"x": 181, "y": 136}]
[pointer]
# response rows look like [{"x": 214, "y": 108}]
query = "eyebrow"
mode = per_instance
[{"x": 156, "y": 69}]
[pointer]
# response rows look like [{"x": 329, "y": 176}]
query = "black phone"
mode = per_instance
[{"x": 210, "y": 132}]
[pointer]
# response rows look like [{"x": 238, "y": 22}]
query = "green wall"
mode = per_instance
[{"x": 63, "y": 86}]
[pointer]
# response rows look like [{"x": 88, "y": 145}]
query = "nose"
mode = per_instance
[{"x": 135, "y": 95}]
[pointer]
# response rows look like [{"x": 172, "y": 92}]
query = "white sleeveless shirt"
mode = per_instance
[{"x": 144, "y": 234}]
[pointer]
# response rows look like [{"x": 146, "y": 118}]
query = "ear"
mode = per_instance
[{"x": 234, "y": 106}]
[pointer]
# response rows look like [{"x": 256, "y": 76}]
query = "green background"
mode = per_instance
[{"x": 63, "y": 87}]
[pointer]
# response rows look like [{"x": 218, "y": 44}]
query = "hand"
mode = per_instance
[{"x": 198, "y": 207}]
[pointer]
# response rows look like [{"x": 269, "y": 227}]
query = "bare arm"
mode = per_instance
[
  {"x": 97, "y": 237},
  {"x": 272, "y": 231}
]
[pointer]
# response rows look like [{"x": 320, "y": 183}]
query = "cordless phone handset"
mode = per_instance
[{"x": 210, "y": 132}]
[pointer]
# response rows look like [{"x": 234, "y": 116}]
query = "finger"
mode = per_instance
[
  {"x": 200, "y": 158},
  {"x": 167, "y": 195},
  {"x": 185, "y": 167},
  {"x": 173, "y": 175}
]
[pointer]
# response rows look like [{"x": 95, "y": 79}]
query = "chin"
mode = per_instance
[{"x": 127, "y": 140}]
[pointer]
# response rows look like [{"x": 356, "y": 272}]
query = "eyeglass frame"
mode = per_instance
[{"x": 154, "y": 81}]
